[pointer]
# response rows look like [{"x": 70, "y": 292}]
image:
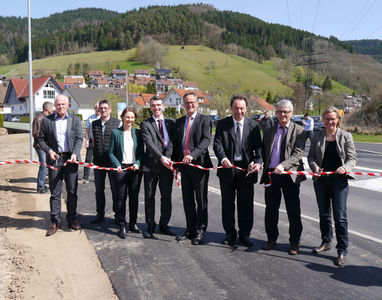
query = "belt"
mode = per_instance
[{"x": 64, "y": 153}]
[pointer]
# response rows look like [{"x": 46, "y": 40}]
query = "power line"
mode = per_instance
[
  {"x": 359, "y": 21},
  {"x": 357, "y": 15},
  {"x": 287, "y": 2},
  {"x": 315, "y": 15}
]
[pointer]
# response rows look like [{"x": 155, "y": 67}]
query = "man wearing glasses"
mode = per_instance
[
  {"x": 191, "y": 141},
  {"x": 283, "y": 147}
]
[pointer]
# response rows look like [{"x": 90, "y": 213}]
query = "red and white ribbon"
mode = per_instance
[
  {"x": 326, "y": 173},
  {"x": 25, "y": 161},
  {"x": 93, "y": 166}
]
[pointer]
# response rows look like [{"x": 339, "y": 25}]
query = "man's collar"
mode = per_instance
[
  {"x": 57, "y": 117},
  {"x": 287, "y": 125},
  {"x": 241, "y": 121},
  {"x": 193, "y": 115},
  {"x": 106, "y": 119},
  {"x": 160, "y": 118}
]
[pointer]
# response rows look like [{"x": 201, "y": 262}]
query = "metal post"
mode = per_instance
[{"x": 31, "y": 102}]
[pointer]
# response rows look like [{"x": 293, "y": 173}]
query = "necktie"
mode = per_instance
[
  {"x": 187, "y": 137},
  {"x": 237, "y": 140},
  {"x": 160, "y": 126},
  {"x": 283, "y": 143}
]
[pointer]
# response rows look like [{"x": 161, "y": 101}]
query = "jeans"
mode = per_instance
[
  {"x": 99, "y": 180},
  {"x": 332, "y": 192},
  {"x": 42, "y": 170}
]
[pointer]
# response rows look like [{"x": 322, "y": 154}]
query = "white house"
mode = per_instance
[
  {"x": 175, "y": 98},
  {"x": 45, "y": 88}
]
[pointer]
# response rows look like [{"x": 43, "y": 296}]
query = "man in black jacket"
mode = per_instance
[
  {"x": 157, "y": 134},
  {"x": 238, "y": 143},
  {"x": 191, "y": 141},
  {"x": 101, "y": 129}
]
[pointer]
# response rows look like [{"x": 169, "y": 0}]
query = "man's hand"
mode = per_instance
[
  {"x": 317, "y": 170},
  {"x": 226, "y": 163},
  {"x": 340, "y": 170},
  {"x": 73, "y": 158},
  {"x": 187, "y": 159},
  {"x": 252, "y": 167},
  {"x": 166, "y": 162},
  {"x": 87, "y": 143},
  {"x": 53, "y": 155},
  {"x": 119, "y": 169},
  {"x": 279, "y": 169},
  {"x": 135, "y": 167}
]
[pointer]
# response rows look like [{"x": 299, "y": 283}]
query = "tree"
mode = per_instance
[
  {"x": 151, "y": 88},
  {"x": 269, "y": 97},
  {"x": 327, "y": 84},
  {"x": 70, "y": 70},
  {"x": 77, "y": 68}
]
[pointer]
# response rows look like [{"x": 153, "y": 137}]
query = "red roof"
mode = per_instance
[
  {"x": 264, "y": 104},
  {"x": 21, "y": 85},
  {"x": 141, "y": 99}
]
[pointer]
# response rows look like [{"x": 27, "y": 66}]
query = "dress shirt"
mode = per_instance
[
  {"x": 309, "y": 124},
  {"x": 89, "y": 122},
  {"x": 275, "y": 156},
  {"x": 240, "y": 124},
  {"x": 62, "y": 133},
  {"x": 128, "y": 148},
  {"x": 165, "y": 133}
]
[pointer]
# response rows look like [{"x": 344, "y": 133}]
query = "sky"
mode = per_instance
[{"x": 344, "y": 19}]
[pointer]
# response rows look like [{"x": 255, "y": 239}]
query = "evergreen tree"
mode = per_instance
[{"x": 327, "y": 85}]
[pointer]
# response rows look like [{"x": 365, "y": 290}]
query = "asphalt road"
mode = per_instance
[{"x": 165, "y": 269}]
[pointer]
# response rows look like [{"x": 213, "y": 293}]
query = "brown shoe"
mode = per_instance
[
  {"x": 74, "y": 225},
  {"x": 52, "y": 229},
  {"x": 269, "y": 245},
  {"x": 293, "y": 250},
  {"x": 321, "y": 248},
  {"x": 340, "y": 260}
]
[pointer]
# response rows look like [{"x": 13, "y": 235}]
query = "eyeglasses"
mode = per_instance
[
  {"x": 190, "y": 103},
  {"x": 283, "y": 112},
  {"x": 330, "y": 120}
]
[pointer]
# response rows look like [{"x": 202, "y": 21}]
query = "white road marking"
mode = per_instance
[
  {"x": 365, "y": 236},
  {"x": 369, "y": 151}
]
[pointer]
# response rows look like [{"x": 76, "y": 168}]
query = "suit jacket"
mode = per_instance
[
  {"x": 224, "y": 145},
  {"x": 345, "y": 149},
  {"x": 294, "y": 149},
  {"x": 117, "y": 146},
  {"x": 154, "y": 145},
  {"x": 200, "y": 140},
  {"x": 48, "y": 135}
]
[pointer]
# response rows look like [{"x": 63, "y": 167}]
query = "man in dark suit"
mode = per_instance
[
  {"x": 61, "y": 138},
  {"x": 157, "y": 134},
  {"x": 191, "y": 141},
  {"x": 238, "y": 143},
  {"x": 283, "y": 147}
]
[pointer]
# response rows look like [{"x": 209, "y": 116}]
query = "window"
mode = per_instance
[
  {"x": 49, "y": 85},
  {"x": 49, "y": 94}
]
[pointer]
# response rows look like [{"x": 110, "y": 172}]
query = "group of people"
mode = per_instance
[{"x": 161, "y": 144}]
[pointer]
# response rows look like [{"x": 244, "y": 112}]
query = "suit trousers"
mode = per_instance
[
  {"x": 195, "y": 187},
  {"x": 126, "y": 183},
  {"x": 151, "y": 180},
  {"x": 88, "y": 159},
  {"x": 333, "y": 191},
  {"x": 291, "y": 191},
  {"x": 69, "y": 173},
  {"x": 99, "y": 181},
  {"x": 237, "y": 186}
]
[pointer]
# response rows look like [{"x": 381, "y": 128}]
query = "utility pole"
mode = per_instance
[{"x": 31, "y": 100}]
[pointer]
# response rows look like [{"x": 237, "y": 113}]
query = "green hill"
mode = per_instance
[{"x": 211, "y": 69}]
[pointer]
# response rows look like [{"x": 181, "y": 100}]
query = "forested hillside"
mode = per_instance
[{"x": 368, "y": 47}]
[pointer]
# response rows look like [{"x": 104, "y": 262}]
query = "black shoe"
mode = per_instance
[
  {"x": 166, "y": 230},
  {"x": 229, "y": 239},
  {"x": 149, "y": 235},
  {"x": 74, "y": 225},
  {"x": 134, "y": 228},
  {"x": 97, "y": 219},
  {"x": 246, "y": 241},
  {"x": 122, "y": 232},
  {"x": 186, "y": 235},
  {"x": 269, "y": 245},
  {"x": 198, "y": 240}
]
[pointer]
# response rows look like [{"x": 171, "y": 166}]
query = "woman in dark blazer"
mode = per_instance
[
  {"x": 332, "y": 149},
  {"x": 126, "y": 150}
]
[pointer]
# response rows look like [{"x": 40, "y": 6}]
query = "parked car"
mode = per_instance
[
  {"x": 257, "y": 118},
  {"x": 214, "y": 119},
  {"x": 297, "y": 120},
  {"x": 15, "y": 119},
  {"x": 318, "y": 124}
]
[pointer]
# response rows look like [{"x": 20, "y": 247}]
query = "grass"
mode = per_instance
[{"x": 365, "y": 138}]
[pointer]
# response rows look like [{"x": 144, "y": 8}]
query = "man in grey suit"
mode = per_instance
[
  {"x": 157, "y": 134},
  {"x": 283, "y": 147},
  {"x": 61, "y": 138}
]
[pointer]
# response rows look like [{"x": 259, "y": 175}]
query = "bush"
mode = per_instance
[
  {"x": 1, "y": 120},
  {"x": 24, "y": 119}
]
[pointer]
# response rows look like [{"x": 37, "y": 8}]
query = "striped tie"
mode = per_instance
[{"x": 187, "y": 137}]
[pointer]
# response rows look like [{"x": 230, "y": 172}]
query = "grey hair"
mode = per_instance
[
  {"x": 284, "y": 103},
  {"x": 61, "y": 95},
  {"x": 47, "y": 105}
]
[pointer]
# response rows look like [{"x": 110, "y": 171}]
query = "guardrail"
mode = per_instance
[{"x": 17, "y": 126}]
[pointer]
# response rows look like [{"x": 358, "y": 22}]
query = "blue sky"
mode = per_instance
[{"x": 345, "y": 19}]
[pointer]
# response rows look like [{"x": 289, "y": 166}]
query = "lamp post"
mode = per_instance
[{"x": 31, "y": 101}]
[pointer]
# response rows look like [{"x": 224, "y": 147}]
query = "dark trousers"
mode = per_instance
[
  {"x": 195, "y": 187},
  {"x": 88, "y": 159},
  {"x": 126, "y": 183},
  {"x": 309, "y": 135},
  {"x": 332, "y": 191},
  {"x": 99, "y": 181},
  {"x": 238, "y": 187},
  {"x": 69, "y": 173},
  {"x": 165, "y": 179},
  {"x": 291, "y": 191}
]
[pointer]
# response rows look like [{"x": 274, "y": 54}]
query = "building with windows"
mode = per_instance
[{"x": 45, "y": 88}]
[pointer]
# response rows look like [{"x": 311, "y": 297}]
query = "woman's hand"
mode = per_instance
[
  {"x": 119, "y": 169},
  {"x": 340, "y": 170}
]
